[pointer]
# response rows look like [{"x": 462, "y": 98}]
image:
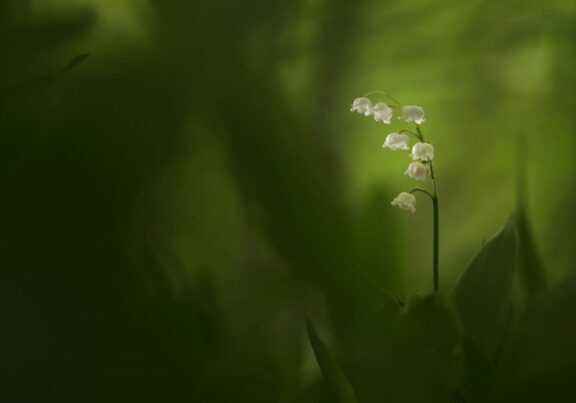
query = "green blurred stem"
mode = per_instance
[
  {"x": 419, "y": 137},
  {"x": 384, "y": 94},
  {"x": 431, "y": 196},
  {"x": 436, "y": 230}
]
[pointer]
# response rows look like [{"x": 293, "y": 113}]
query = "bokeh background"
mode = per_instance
[{"x": 182, "y": 180}]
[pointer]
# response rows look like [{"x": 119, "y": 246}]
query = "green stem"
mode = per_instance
[
  {"x": 436, "y": 230},
  {"x": 384, "y": 94},
  {"x": 418, "y": 136},
  {"x": 423, "y": 191},
  {"x": 436, "y": 243}
]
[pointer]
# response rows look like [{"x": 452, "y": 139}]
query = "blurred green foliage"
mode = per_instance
[{"x": 182, "y": 180}]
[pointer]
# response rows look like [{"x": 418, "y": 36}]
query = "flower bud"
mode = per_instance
[
  {"x": 422, "y": 151},
  {"x": 405, "y": 201},
  {"x": 396, "y": 141},
  {"x": 362, "y": 105},
  {"x": 413, "y": 113},
  {"x": 382, "y": 113},
  {"x": 418, "y": 171}
]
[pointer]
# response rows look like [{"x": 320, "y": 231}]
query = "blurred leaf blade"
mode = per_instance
[
  {"x": 483, "y": 295},
  {"x": 477, "y": 378},
  {"x": 335, "y": 378},
  {"x": 542, "y": 357},
  {"x": 531, "y": 269}
]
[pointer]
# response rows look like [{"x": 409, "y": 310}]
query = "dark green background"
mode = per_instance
[{"x": 172, "y": 205}]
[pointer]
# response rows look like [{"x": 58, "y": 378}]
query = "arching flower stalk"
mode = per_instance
[{"x": 421, "y": 168}]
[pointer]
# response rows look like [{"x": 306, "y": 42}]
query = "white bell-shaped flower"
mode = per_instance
[
  {"x": 405, "y": 201},
  {"x": 362, "y": 105},
  {"x": 396, "y": 141},
  {"x": 422, "y": 151},
  {"x": 382, "y": 113},
  {"x": 418, "y": 171},
  {"x": 413, "y": 113}
]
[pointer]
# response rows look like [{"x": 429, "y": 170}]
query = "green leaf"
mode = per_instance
[
  {"x": 427, "y": 355},
  {"x": 484, "y": 294},
  {"x": 476, "y": 383},
  {"x": 362, "y": 332},
  {"x": 333, "y": 374},
  {"x": 540, "y": 364},
  {"x": 531, "y": 271}
]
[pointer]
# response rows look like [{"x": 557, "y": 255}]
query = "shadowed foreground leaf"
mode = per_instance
[
  {"x": 477, "y": 379},
  {"x": 241, "y": 385},
  {"x": 335, "y": 378},
  {"x": 530, "y": 268},
  {"x": 427, "y": 355},
  {"x": 540, "y": 364},
  {"x": 484, "y": 293}
]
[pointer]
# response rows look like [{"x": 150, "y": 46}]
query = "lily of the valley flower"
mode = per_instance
[
  {"x": 418, "y": 171},
  {"x": 362, "y": 105},
  {"x": 413, "y": 113},
  {"x": 405, "y": 201},
  {"x": 422, "y": 151},
  {"x": 382, "y": 113},
  {"x": 396, "y": 141}
]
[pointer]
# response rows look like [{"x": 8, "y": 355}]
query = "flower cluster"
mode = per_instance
[
  {"x": 383, "y": 112},
  {"x": 422, "y": 152}
]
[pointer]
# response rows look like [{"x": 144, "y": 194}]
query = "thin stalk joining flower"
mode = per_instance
[
  {"x": 427, "y": 193},
  {"x": 436, "y": 230},
  {"x": 384, "y": 94},
  {"x": 418, "y": 136}
]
